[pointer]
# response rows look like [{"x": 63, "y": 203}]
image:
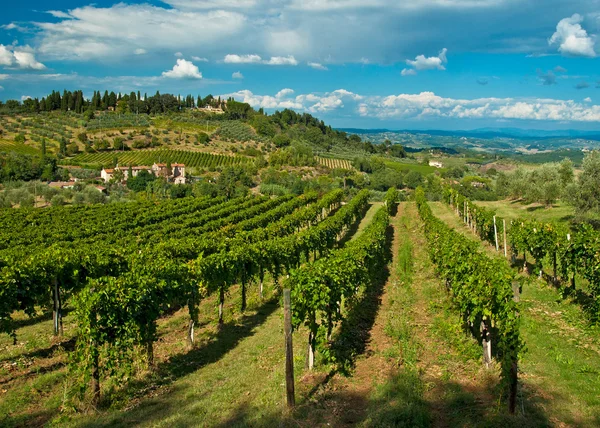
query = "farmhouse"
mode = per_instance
[
  {"x": 436, "y": 164},
  {"x": 175, "y": 175}
]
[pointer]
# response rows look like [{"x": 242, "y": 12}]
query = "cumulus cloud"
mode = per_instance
[
  {"x": 199, "y": 59},
  {"x": 237, "y": 75},
  {"x": 582, "y": 85},
  {"x": 408, "y": 72},
  {"x": 384, "y": 31},
  {"x": 26, "y": 60},
  {"x": 242, "y": 59},
  {"x": 572, "y": 39},
  {"x": 6, "y": 56},
  {"x": 281, "y": 60},
  {"x": 317, "y": 66},
  {"x": 183, "y": 70},
  {"x": 587, "y": 100},
  {"x": 425, "y": 105},
  {"x": 423, "y": 63},
  {"x": 19, "y": 58},
  {"x": 25, "y": 97},
  {"x": 178, "y": 55}
]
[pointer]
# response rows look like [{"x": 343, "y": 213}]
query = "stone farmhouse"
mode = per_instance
[{"x": 177, "y": 173}]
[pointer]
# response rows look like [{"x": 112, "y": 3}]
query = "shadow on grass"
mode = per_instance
[
  {"x": 583, "y": 299},
  {"x": 41, "y": 317},
  {"x": 353, "y": 227},
  {"x": 67, "y": 345},
  {"x": 178, "y": 366},
  {"x": 354, "y": 334}
]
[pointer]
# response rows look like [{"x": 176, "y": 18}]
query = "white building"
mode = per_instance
[{"x": 436, "y": 164}]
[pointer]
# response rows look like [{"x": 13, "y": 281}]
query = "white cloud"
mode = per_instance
[
  {"x": 587, "y": 100},
  {"x": 256, "y": 59},
  {"x": 20, "y": 58},
  {"x": 6, "y": 56},
  {"x": 433, "y": 62},
  {"x": 211, "y": 4},
  {"x": 3, "y": 76},
  {"x": 1, "y": 88},
  {"x": 25, "y": 97},
  {"x": 237, "y": 75},
  {"x": 178, "y": 55},
  {"x": 26, "y": 60},
  {"x": 59, "y": 14},
  {"x": 241, "y": 59},
  {"x": 92, "y": 32},
  {"x": 183, "y": 70},
  {"x": 199, "y": 59},
  {"x": 282, "y": 60},
  {"x": 572, "y": 39},
  {"x": 284, "y": 93},
  {"x": 317, "y": 66},
  {"x": 384, "y": 31},
  {"x": 11, "y": 26},
  {"x": 426, "y": 105},
  {"x": 140, "y": 51},
  {"x": 408, "y": 72}
]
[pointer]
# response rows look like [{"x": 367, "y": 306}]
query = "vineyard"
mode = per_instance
[
  {"x": 334, "y": 163},
  {"x": 148, "y": 157},
  {"x": 179, "y": 303},
  {"x": 10, "y": 146}
]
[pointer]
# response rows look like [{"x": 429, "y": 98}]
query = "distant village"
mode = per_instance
[{"x": 175, "y": 173}]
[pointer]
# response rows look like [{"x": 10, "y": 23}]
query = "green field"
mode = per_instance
[
  {"x": 148, "y": 157},
  {"x": 511, "y": 210},
  {"x": 407, "y": 167},
  {"x": 11, "y": 146}
]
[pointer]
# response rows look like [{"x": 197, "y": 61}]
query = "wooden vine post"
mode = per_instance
[
  {"x": 289, "y": 349},
  {"x": 514, "y": 370},
  {"x": 57, "y": 310},
  {"x": 504, "y": 233},
  {"x": 496, "y": 233},
  {"x": 486, "y": 342}
]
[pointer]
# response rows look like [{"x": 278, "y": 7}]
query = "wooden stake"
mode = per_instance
[
  {"x": 504, "y": 232},
  {"x": 311, "y": 352},
  {"x": 486, "y": 342},
  {"x": 496, "y": 233},
  {"x": 191, "y": 333},
  {"x": 289, "y": 348},
  {"x": 221, "y": 303}
]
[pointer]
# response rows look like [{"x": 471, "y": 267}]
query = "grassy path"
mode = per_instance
[
  {"x": 418, "y": 368},
  {"x": 560, "y": 370}
]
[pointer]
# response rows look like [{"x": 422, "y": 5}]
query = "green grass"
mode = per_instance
[
  {"x": 407, "y": 167},
  {"x": 196, "y": 127},
  {"x": 510, "y": 210},
  {"x": 559, "y": 369}
]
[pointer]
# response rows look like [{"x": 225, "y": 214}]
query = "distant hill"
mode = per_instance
[{"x": 487, "y": 133}]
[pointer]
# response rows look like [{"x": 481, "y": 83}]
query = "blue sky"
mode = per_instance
[{"x": 446, "y": 64}]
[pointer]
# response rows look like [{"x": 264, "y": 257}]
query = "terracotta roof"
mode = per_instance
[{"x": 109, "y": 171}]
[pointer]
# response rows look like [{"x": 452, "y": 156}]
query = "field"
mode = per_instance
[
  {"x": 334, "y": 163},
  {"x": 410, "y": 166},
  {"x": 11, "y": 146},
  {"x": 148, "y": 157},
  {"x": 511, "y": 210},
  {"x": 398, "y": 354}
]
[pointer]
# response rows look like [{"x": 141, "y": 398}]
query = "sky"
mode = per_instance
[{"x": 419, "y": 64}]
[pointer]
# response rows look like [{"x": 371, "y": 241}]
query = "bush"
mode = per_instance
[{"x": 57, "y": 200}]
